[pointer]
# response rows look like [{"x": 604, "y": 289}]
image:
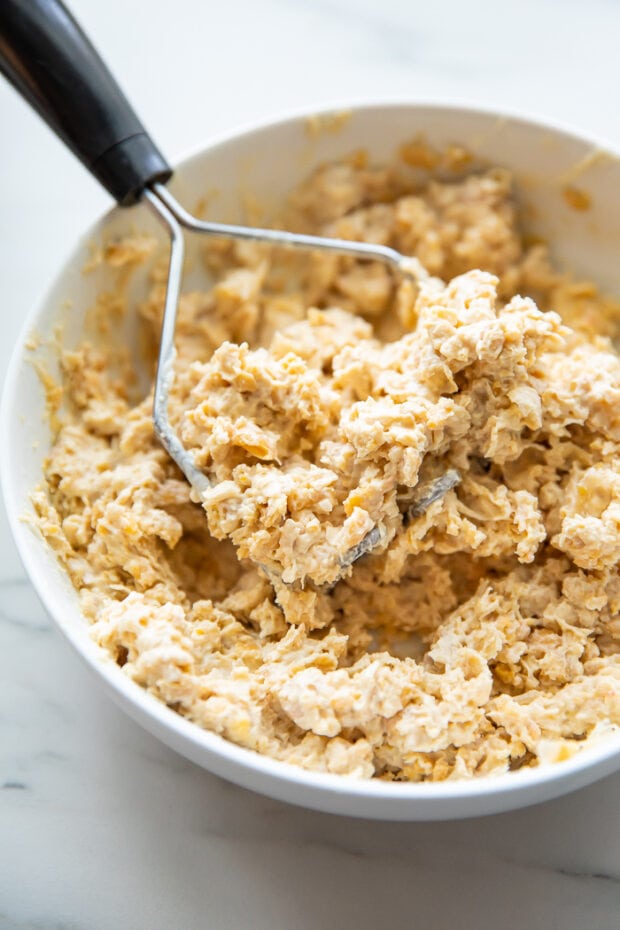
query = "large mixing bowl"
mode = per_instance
[{"x": 268, "y": 161}]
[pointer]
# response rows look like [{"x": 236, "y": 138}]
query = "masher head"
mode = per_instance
[{"x": 176, "y": 218}]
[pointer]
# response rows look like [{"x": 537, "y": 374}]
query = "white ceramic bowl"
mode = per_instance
[{"x": 269, "y": 160}]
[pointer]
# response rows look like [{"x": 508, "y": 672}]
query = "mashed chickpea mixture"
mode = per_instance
[{"x": 408, "y": 564}]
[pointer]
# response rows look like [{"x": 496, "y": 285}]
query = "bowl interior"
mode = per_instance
[{"x": 268, "y": 162}]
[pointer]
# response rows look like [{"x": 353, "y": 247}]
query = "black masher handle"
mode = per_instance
[{"x": 50, "y": 61}]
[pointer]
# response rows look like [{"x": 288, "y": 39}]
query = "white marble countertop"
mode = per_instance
[{"x": 103, "y": 828}]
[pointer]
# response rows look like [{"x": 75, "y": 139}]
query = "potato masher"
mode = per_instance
[{"x": 47, "y": 57}]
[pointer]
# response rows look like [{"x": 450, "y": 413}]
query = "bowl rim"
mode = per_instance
[{"x": 142, "y": 705}]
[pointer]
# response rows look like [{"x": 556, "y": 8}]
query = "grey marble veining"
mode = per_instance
[{"x": 101, "y": 827}]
